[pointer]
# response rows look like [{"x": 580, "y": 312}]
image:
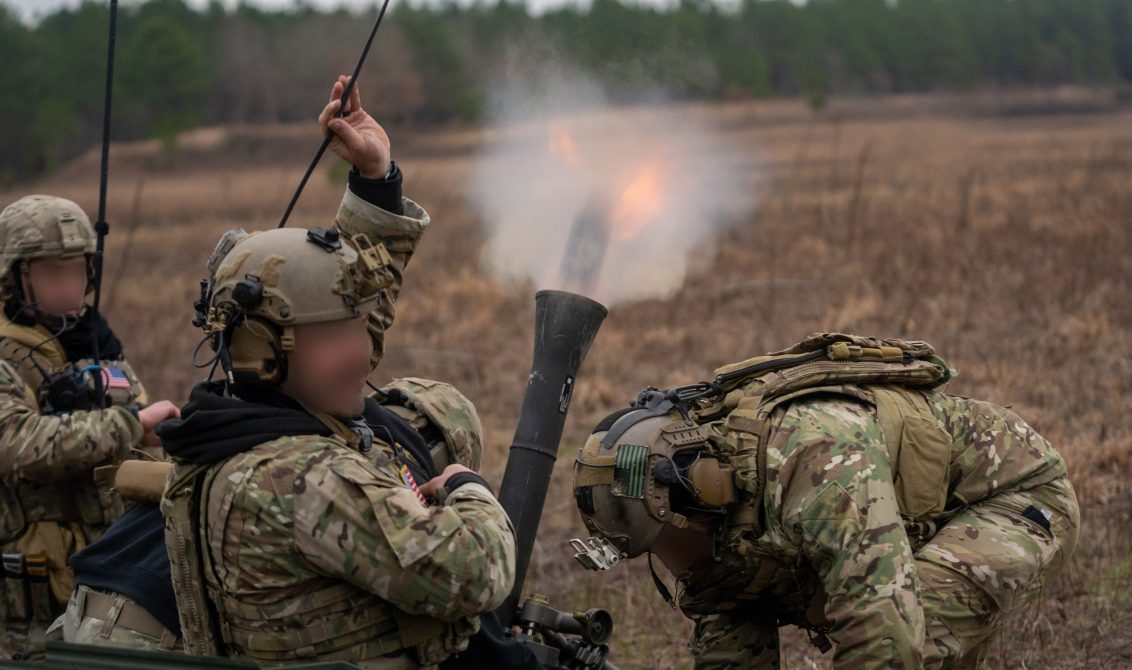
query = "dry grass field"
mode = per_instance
[{"x": 1004, "y": 239}]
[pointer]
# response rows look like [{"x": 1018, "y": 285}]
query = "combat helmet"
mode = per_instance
[
  {"x": 645, "y": 467},
  {"x": 263, "y": 284},
  {"x": 41, "y": 226}
]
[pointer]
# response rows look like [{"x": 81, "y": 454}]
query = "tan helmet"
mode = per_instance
[
  {"x": 42, "y": 226},
  {"x": 645, "y": 467},
  {"x": 439, "y": 411},
  {"x": 261, "y": 285}
]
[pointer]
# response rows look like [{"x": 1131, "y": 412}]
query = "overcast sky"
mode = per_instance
[{"x": 30, "y": 10}]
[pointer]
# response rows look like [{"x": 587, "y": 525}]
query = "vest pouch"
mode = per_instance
[{"x": 919, "y": 449}]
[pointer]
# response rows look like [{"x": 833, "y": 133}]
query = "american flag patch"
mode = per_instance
[
  {"x": 115, "y": 378},
  {"x": 407, "y": 477}
]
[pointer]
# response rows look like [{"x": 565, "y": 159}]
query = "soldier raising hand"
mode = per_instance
[{"x": 299, "y": 511}]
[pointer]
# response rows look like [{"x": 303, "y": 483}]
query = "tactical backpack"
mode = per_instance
[{"x": 891, "y": 375}]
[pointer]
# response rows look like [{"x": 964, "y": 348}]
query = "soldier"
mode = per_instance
[
  {"x": 123, "y": 587},
  {"x": 55, "y": 428},
  {"x": 833, "y": 486},
  {"x": 124, "y": 594},
  {"x": 294, "y": 532}
]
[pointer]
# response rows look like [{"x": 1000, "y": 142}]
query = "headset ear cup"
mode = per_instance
[{"x": 256, "y": 352}]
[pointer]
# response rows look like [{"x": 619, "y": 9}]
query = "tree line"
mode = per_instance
[{"x": 180, "y": 67}]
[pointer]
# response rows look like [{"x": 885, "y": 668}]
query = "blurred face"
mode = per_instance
[
  {"x": 327, "y": 369},
  {"x": 57, "y": 285}
]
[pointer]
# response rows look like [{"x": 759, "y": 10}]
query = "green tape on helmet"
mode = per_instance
[{"x": 629, "y": 471}]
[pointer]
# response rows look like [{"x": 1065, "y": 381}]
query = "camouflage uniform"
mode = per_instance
[
  {"x": 834, "y": 535},
  {"x": 835, "y": 556},
  {"x": 303, "y": 513},
  {"x": 106, "y": 617},
  {"x": 50, "y": 502},
  {"x": 315, "y": 547}
]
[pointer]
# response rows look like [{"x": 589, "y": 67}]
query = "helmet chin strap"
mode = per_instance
[
  {"x": 716, "y": 559},
  {"x": 664, "y": 592},
  {"x": 25, "y": 283}
]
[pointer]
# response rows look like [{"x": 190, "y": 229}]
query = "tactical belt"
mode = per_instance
[{"x": 116, "y": 611}]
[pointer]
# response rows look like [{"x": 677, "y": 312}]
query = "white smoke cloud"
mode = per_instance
[{"x": 557, "y": 148}]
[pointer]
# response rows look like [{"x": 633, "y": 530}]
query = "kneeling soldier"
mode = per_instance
[{"x": 833, "y": 486}]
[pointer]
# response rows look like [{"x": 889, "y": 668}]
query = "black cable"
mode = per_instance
[
  {"x": 196, "y": 350},
  {"x": 35, "y": 349},
  {"x": 341, "y": 111},
  {"x": 101, "y": 227}
]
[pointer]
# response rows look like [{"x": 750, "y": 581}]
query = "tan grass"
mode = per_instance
[{"x": 1006, "y": 242}]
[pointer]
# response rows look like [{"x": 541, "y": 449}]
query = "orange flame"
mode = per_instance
[
  {"x": 563, "y": 146},
  {"x": 639, "y": 204}
]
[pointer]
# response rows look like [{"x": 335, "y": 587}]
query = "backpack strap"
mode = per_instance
[{"x": 744, "y": 440}]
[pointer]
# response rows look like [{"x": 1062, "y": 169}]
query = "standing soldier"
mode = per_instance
[
  {"x": 293, "y": 530},
  {"x": 55, "y": 428},
  {"x": 834, "y": 487}
]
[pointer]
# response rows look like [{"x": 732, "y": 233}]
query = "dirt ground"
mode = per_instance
[{"x": 1003, "y": 239}]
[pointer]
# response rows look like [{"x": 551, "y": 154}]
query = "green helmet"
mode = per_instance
[
  {"x": 42, "y": 226},
  {"x": 262, "y": 284},
  {"x": 646, "y": 467}
]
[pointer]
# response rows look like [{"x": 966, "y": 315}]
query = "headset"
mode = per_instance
[
  {"x": 250, "y": 349},
  {"x": 696, "y": 475}
]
